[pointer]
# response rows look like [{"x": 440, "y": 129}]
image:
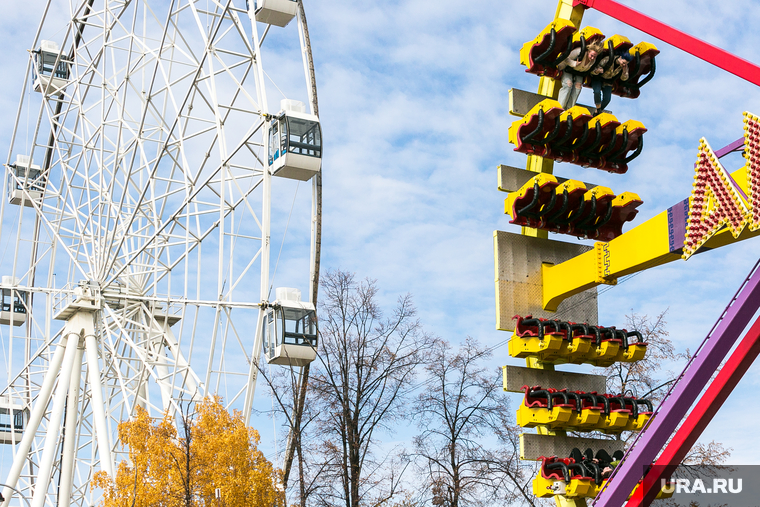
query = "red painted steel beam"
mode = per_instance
[
  {"x": 707, "y": 52},
  {"x": 684, "y": 439}
]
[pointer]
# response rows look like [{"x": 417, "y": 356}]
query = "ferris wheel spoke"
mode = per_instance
[{"x": 176, "y": 213}]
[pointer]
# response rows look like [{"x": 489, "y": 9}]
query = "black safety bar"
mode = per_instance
[
  {"x": 529, "y": 137},
  {"x": 588, "y": 223},
  {"x": 583, "y": 48},
  {"x": 559, "y": 465},
  {"x": 597, "y": 335},
  {"x": 606, "y": 218},
  {"x": 582, "y": 139},
  {"x": 568, "y": 133},
  {"x": 639, "y": 338},
  {"x": 553, "y": 323},
  {"x": 525, "y": 211},
  {"x": 649, "y": 76},
  {"x": 554, "y": 133},
  {"x": 622, "y": 401},
  {"x": 595, "y": 471},
  {"x": 580, "y": 468},
  {"x": 549, "y": 206},
  {"x": 572, "y": 215},
  {"x": 637, "y": 152},
  {"x": 611, "y": 59},
  {"x": 610, "y": 147},
  {"x": 535, "y": 322},
  {"x": 623, "y": 147},
  {"x": 605, "y": 402},
  {"x": 552, "y": 41},
  {"x": 582, "y": 327},
  {"x": 543, "y": 393},
  {"x": 594, "y": 145},
  {"x": 563, "y": 208},
  {"x": 565, "y": 53}
]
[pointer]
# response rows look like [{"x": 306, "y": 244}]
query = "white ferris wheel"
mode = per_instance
[{"x": 163, "y": 175}]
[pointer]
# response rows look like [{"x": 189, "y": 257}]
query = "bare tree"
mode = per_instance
[
  {"x": 511, "y": 478},
  {"x": 645, "y": 378},
  {"x": 711, "y": 454},
  {"x": 648, "y": 379},
  {"x": 365, "y": 368},
  {"x": 467, "y": 450},
  {"x": 285, "y": 385}
]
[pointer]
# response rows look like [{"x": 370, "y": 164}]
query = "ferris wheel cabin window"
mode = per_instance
[
  {"x": 290, "y": 330},
  {"x": 299, "y": 326},
  {"x": 52, "y": 65},
  {"x": 25, "y": 182},
  {"x": 13, "y": 417},
  {"x": 295, "y": 144},
  {"x": 13, "y": 303},
  {"x": 52, "y": 68}
]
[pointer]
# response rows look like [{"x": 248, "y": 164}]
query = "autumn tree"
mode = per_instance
[
  {"x": 467, "y": 451},
  {"x": 359, "y": 383},
  {"x": 166, "y": 468}
]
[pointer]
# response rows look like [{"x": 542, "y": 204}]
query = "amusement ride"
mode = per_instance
[{"x": 546, "y": 289}]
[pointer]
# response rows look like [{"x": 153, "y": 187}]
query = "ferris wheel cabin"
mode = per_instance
[
  {"x": 13, "y": 303},
  {"x": 13, "y": 418},
  {"x": 275, "y": 12},
  {"x": 290, "y": 330},
  {"x": 295, "y": 142},
  {"x": 25, "y": 182},
  {"x": 51, "y": 68}
]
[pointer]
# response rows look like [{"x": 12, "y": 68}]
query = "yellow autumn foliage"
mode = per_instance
[{"x": 163, "y": 471}]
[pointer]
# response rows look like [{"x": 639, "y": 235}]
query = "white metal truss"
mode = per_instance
[{"x": 147, "y": 259}]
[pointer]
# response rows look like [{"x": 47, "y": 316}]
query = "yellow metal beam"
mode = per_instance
[
  {"x": 565, "y": 10},
  {"x": 640, "y": 248}
]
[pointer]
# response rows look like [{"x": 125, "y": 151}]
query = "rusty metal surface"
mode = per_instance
[
  {"x": 521, "y": 102},
  {"x": 511, "y": 179},
  {"x": 533, "y": 446},
  {"x": 518, "y": 280},
  {"x": 515, "y": 377}
]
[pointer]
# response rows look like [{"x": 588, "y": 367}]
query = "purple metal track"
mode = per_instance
[
  {"x": 739, "y": 143},
  {"x": 684, "y": 392}
]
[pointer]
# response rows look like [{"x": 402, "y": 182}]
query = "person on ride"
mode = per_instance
[
  {"x": 601, "y": 79},
  {"x": 574, "y": 69}
]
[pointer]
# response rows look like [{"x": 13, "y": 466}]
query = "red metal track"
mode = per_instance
[
  {"x": 736, "y": 366},
  {"x": 707, "y": 52}
]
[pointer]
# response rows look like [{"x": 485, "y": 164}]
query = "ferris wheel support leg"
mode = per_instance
[
  {"x": 35, "y": 418},
  {"x": 163, "y": 372},
  {"x": 189, "y": 381},
  {"x": 98, "y": 406},
  {"x": 70, "y": 433},
  {"x": 59, "y": 402},
  {"x": 253, "y": 370}
]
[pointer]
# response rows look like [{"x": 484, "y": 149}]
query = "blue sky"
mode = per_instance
[{"x": 413, "y": 99}]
